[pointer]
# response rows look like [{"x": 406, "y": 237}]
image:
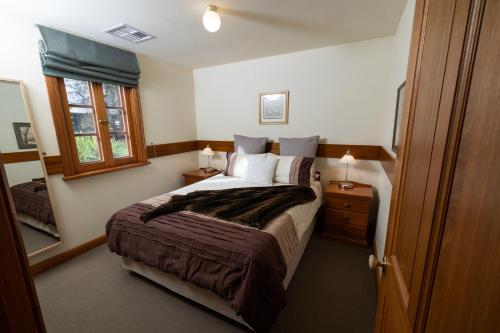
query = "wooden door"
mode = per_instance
[
  {"x": 444, "y": 41},
  {"x": 19, "y": 308},
  {"x": 465, "y": 294}
]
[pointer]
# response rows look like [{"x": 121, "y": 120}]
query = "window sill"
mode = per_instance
[{"x": 106, "y": 170}]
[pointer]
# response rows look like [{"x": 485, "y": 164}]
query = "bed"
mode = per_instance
[
  {"x": 289, "y": 233},
  {"x": 33, "y": 207}
]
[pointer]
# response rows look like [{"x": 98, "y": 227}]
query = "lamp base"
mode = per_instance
[{"x": 346, "y": 185}]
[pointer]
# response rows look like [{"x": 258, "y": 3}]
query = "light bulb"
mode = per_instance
[{"x": 211, "y": 20}]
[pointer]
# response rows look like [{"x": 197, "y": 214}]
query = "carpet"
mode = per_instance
[{"x": 333, "y": 290}]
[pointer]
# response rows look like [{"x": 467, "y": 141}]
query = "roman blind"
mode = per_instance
[{"x": 69, "y": 56}]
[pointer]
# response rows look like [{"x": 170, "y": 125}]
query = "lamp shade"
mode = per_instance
[
  {"x": 208, "y": 151},
  {"x": 348, "y": 159}
]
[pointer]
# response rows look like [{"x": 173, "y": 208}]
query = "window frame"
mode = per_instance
[{"x": 72, "y": 167}]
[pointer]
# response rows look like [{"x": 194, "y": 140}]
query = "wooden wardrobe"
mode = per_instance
[{"x": 442, "y": 268}]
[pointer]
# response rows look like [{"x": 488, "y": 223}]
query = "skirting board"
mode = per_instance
[{"x": 67, "y": 255}]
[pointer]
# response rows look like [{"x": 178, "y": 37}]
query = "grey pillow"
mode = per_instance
[
  {"x": 305, "y": 147},
  {"x": 248, "y": 145}
]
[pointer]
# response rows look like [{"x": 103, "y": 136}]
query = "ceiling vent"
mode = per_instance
[{"x": 128, "y": 33}]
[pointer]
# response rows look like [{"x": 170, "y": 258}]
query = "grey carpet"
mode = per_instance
[
  {"x": 332, "y": 291},
  {"x": 34, "y": 239}
]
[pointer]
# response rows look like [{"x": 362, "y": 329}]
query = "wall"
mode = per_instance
[
  {"x": 344, "y": 93},
  {"x": 399, "y": 64},
  {"x": 400, "y": 52},
  {"x": 338, "y": 92},
  {"x": 83, "y": 206}
]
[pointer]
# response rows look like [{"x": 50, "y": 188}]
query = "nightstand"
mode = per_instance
[
  {"x": 346, "y": 213},
  {"x": 195, "y": 176}
]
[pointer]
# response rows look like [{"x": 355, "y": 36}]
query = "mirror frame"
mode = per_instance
[{"x": 40, "y": 157}]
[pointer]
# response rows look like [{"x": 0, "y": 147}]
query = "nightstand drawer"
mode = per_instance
[
  {"x": 191, "y": 180},
  {"x": 346, "y": 217},
  {"x": 346, "y": 230},
  {"x": 346, "y": 203}
]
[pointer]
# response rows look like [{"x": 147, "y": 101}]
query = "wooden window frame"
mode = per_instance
[{"x": 72, "y": 167}]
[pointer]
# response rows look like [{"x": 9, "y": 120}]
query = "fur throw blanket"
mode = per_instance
[{"x": 250, "y": 206}]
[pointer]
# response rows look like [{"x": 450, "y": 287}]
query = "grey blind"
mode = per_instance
[{"x": 70, "y": 56}]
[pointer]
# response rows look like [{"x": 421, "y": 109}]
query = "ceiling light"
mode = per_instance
[{"x": 211, "y": 20}]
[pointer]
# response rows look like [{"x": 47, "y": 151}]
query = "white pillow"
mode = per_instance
[
  {"x": 296, "y": 170},
  {"x": 261, "y": 169},
  {"x": 236, "y": 165}
]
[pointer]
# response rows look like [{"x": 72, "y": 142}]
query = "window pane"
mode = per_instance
[
  {"x": 116, "y": 123},
  {"x": 119, "y": 145},
  {"x": 78, "y": 92},
  {"x": 83, "y": 120},
  {"x": 111, "y": 94},
  {"x": 88, "y": 149}
]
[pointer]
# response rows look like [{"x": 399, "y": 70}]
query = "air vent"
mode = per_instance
[{"x": 128, "y": 33}]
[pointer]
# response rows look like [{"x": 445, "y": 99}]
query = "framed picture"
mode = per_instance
[
  {"x": 24, "y": 135},
  {"x": 397, "y": 118},
  {"x": 274, "y": 108}
]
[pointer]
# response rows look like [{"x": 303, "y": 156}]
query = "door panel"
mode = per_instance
[
  {"x": 436, "y": 61},
  {"x": 466, "y": 292}
]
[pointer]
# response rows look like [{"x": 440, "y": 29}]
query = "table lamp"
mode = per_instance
[
  {"x": 209, "y": 152},
  {"x": 347, "y": 159}
]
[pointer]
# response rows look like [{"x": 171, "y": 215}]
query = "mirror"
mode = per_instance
[{"x": 25, "y": 172}]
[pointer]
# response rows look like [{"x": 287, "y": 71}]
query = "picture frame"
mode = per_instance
[
  {"x": 274, "y": 108},
  {"x": 398, "y": 117},
  {"x": 24, "y": 135}
]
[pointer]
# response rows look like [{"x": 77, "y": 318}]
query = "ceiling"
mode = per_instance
[{"x": 250, "y": 28}]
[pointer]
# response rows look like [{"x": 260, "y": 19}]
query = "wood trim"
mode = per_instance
[
  {"x": 67, "y": 255},
  {"x": 20, "y": 156},
  {"x": 19, "y": 306},
  {"x": 54, "y": 163},
  {"x": 171, "y": 148},
  {"x": 362, "y": 152},
  {"x": 60, "y": 125},
  {"x": 105, "y": 170},
  {"x": 388, "y": 163},
  {"x": 71, "y": 166}
]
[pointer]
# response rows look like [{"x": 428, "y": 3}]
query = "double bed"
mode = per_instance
[
  {"x": 33, "y": 207},
  {"x": 238, "y": 271}
]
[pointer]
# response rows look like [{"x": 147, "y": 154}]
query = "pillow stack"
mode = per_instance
[{"x": 294, "y": 165}]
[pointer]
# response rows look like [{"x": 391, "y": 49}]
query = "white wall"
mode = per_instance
[
  {"x": 399, "y": 64},
  {"x": 338, "y": 92},
  {"x": 344, "y": 93},
  {"x": 83, "y": 206},
  {"x": 400, "y": 53}
]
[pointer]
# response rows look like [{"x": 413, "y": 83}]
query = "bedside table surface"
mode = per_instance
[
  {"x": 200, "y": 173},
  {"x": 359, "y": 190}
]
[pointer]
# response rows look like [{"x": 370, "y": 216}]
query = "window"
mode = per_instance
[{"x": 98, "y": 126}]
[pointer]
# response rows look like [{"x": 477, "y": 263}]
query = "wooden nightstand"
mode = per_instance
[
  {"x": 346, "y": 213},
  {"x": 197, "y": 175}
]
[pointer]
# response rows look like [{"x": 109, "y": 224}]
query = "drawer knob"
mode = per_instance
[{"x": 346, "y": 204}]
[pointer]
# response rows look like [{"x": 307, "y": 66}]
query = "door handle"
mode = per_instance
[{"x": 373, "y": 262}]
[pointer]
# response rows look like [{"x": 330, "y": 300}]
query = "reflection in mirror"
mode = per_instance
[{"x": 25, "y": 173}]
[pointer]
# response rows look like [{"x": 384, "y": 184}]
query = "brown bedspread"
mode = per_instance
[
  {"x": 32, "y": 199},
  {"x": 241, "y": 265},
  {"x": 250, "y": 206}
]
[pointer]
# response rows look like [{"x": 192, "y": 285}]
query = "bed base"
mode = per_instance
[
  {"x": 206, "y": 297},
  {"x": 37, "y": 224}
]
